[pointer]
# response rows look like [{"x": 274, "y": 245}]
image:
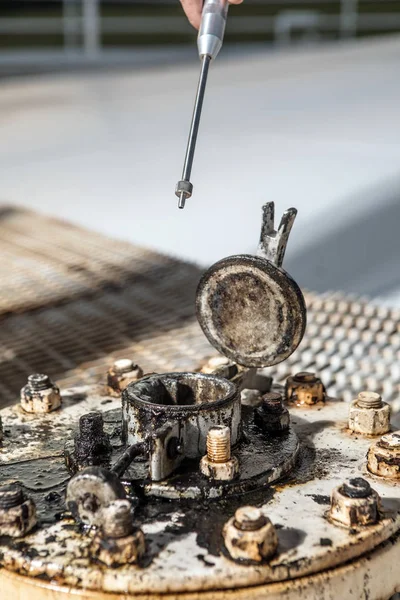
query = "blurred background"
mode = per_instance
[{"x": 302, "y": 108}]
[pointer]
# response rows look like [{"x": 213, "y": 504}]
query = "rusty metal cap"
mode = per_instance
[{"x": 250, "y": 310}]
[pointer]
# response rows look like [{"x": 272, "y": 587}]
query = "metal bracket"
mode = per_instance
[
  {"x": 166, "y": 450},
  {"x": 272, "y": 244}
]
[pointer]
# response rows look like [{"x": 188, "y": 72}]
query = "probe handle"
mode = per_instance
[{"x": 212, "y": 27}]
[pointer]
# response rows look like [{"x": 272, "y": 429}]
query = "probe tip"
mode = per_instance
[{"x": 182, "y": 200}]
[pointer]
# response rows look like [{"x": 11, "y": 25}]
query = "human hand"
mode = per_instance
[{"x": 193, "y": 10}]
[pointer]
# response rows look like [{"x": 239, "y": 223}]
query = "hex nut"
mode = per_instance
[
  {"x": 123, "y": 372},
  {"x": 272, "y": 416},
  {"x": 384, "y": 456},
  {"x": 118, "y": 542},
  {"x": 304, "y": 389},
  {"x": 250, "y": 536},
  {"x": 40, "y": 395},
  {"x": 352, "y": 511},
  {"x": 225, "y": 471},
  {"x": 369, "y": 418},
  {"x": 119, "y": 551},
  {"x": 17, "y": 512}
]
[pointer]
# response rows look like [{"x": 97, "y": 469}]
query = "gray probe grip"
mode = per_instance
[{"x": 212, "y": 27}]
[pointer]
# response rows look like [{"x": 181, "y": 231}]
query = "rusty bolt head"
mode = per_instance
[
  {"x": 384, "y": 456},
  {"x": 368, "y": 415},
  {"x": 40, "y": 395},
  {"x": 272, "y": 415},
  {"x": 354, "y": 504},
  {"x": 122, "y": 373},
  {"x": 17, "y": 512},
  {"x": 304, "y": 389},
  {"x": 249, "y": 535}
]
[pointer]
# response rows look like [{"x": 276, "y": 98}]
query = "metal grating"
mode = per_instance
[{"x": 72, "y": 301}]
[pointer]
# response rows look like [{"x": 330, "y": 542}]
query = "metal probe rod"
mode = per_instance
[
  {"x": 209, "y": 42},
  {"x": 194, "y": 128}
]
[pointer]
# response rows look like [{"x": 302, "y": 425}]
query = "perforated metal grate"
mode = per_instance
[{"x": 73, "y": 301}]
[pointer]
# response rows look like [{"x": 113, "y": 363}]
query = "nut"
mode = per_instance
[
  {"x": 17, "y": 512},
  {"x": 272, "y": 415},
  {"x": 355, "y": 503},
  {"x": 218, "y": 463},
  {"x": 122, "y": 373},
  {"x": 119, "y": 542},
  {"x": 384, "y": 456},
  {"x": 368, "y": 415},
  {"x": 40, "y": 395},
  {"x": 249, "y": 535},
  {"x": 304, "y": 389}
]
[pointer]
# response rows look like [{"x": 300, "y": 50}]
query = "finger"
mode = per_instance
[
  {"x": 235, "y": 1},
  {"x": 193, "y": 9}
]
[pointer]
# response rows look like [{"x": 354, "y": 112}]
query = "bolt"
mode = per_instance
[
  {"x": 92, "y": 444},
  {"x": 356, "y": 488},
  {"x": 118, "y": 521},
  {"x": 384, "y": 456},
  {"x": 124, "y": 365},
  {"x": 369, "y": 400},
  {"x": 250, "y": 535},
  {"x": 38, "y": 382},
  {"x": 91, "y": 424},
  {"x": 272, "y": 416},
  {"x": 304, "y": 389},
  {"x": 249, "y": 518},
  {"x": 123, "y": 372},
  {"x": 368, "y": 415},
  {"x": 40, "y": 395},
  {"x": 219, "y": 444},
  {"x": 218, "y": 463},
  {"x": 11, "y": 495},
  {"x": 17, "y": 512},
  {"x": 355, "y": 504}
]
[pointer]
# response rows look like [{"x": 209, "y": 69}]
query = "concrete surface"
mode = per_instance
[{"x": 317, "y": 128}]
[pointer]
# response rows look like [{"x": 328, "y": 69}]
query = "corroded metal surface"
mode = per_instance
[
  {"x": 251, "y": 311},
  {"x": 248, "y": 307},
  {"x": 184, "y": 541},
  {"x": 70, "y": 310}
]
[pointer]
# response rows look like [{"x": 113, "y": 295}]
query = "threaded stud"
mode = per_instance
[
  {"x": 219, "y": 444},
  {"x": 39, "y": 381},
  {"x": 11, "y": 495},
  {"x": 369, "y": 400}
]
